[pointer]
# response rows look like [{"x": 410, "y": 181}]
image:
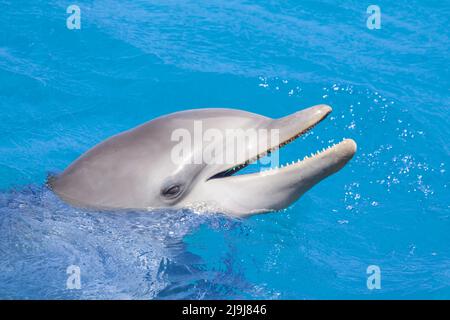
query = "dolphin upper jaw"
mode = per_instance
[{"x": 290, "y": 128}]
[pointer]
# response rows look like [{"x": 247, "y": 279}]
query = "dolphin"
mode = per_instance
[{"x": 135, "y": 169}]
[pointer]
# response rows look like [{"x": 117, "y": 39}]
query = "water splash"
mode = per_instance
[{"x": 124, "y": 255}]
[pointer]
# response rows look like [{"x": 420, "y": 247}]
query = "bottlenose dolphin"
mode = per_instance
[{"x": 135, "y": 169}]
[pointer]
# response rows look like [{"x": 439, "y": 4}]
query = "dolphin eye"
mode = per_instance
[{"x": 172, "y": 191}]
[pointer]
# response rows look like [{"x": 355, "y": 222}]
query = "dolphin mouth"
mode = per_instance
[{"x": 324, "y": 111}]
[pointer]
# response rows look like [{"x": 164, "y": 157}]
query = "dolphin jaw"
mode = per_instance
[
  {"x": 342, "y": 152},
  {"x": 277, "y": 188},
  {"x": 347, "y": 144}
]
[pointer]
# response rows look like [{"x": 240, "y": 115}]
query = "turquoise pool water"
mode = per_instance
[{"x": 62, "y": 91}]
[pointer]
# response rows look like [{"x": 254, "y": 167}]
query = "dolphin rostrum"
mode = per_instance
[{"x": 136, "y": 169}]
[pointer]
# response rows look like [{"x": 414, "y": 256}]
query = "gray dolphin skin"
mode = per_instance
[{"x": 135, "y": 169}]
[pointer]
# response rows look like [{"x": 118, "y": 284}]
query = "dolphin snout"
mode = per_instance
[{"x": 294, "y": 125}]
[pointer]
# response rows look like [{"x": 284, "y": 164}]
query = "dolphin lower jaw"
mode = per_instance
[{"x": 277, "y": 188}]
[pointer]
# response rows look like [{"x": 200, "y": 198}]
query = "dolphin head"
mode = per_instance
[{"x": 188, "y": 159}]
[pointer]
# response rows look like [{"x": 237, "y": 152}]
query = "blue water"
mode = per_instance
[{"x": 62, "y": 91}]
